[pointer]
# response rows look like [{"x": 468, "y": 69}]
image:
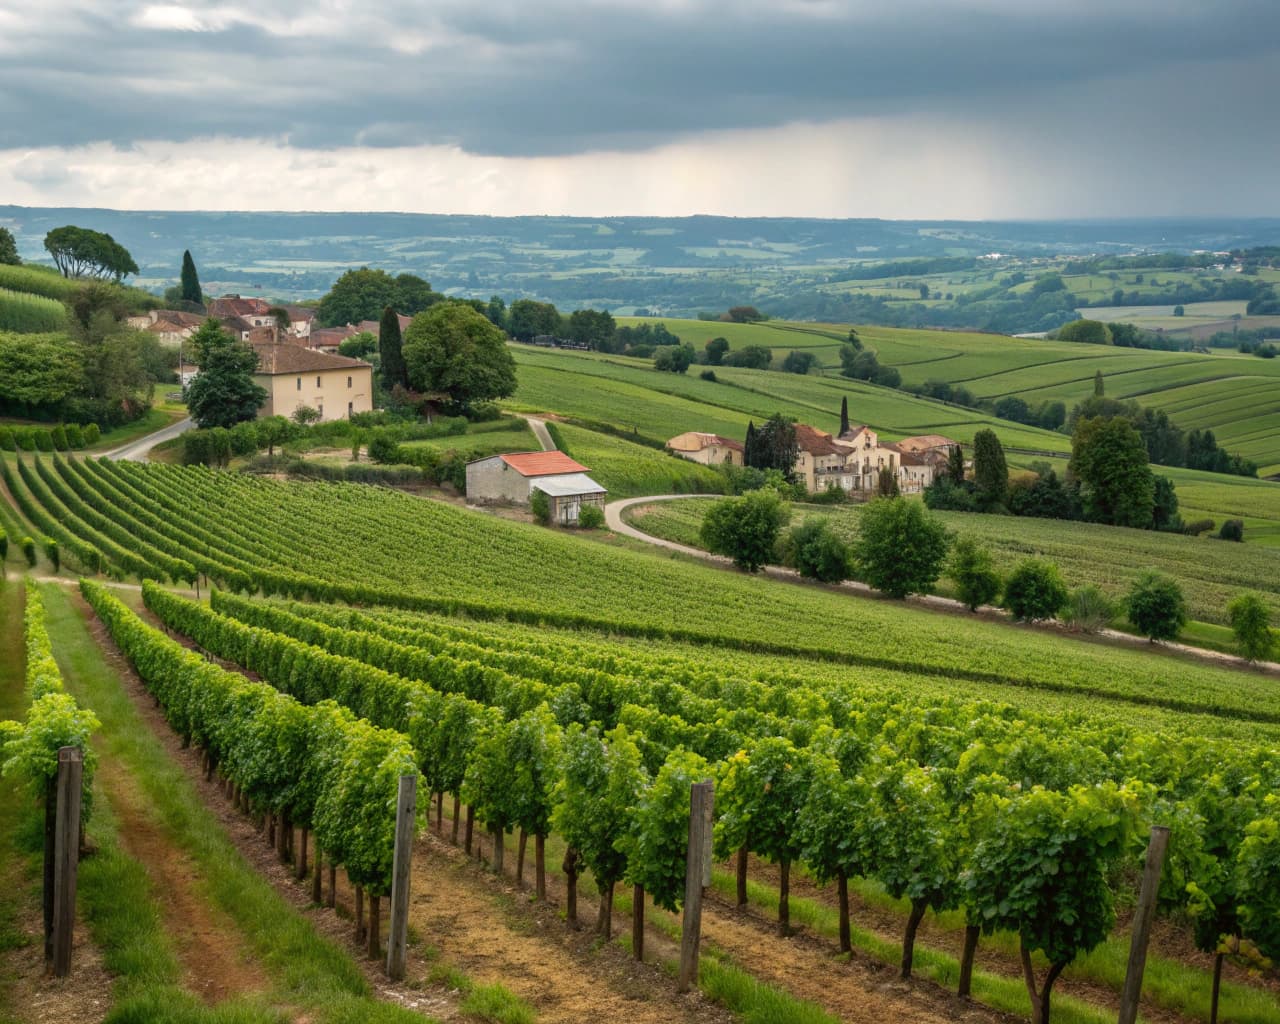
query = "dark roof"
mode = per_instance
[
  {"x": 233, "y": 305},
  {"x": 277, "y": 359}
]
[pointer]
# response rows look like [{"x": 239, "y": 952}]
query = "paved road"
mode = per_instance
[
  {"x": 613, "y": 517},
  {"x": 136, "y": 451},
  {"x": 540, "y": 431}
]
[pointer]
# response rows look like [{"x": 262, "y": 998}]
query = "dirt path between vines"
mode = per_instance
[{"x": 216, "y": 963}]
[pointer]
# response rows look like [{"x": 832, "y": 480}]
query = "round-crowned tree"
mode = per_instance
[
  {"x": 1156, "y": 606},
  {"x": 974, "y": 574},
  {"x": 1034, "y": 590},
  {"x": 454, "y": 350},
  {"x": 1250, "y": 622},
  {"x": 900, "y": 547}
]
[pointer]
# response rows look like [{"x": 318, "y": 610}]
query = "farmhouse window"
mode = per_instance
[
  {"x": 348, "y": 382},
  {"x": 317, "y": 380},
  {"x": 299, "y": 383}
]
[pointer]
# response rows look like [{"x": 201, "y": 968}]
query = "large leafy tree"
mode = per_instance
[
  {"x": 1251, "y": 623},
  {"x": 1109, "y": 458},
  {"x": 391, "y": 358},
  {"x": 37, "y": 370},
  {"x": 973, "y": 572},
  {"x": 1042, "y": 870},
  {"x": 591, "y": 327},
  {"x": 990, "y": 470},
  {"x": 745, "y": 529},
  {"x": 190, "y": 280},
  {"x": 357, "y": 295},
  {"x": 900, "y": 547},
  {"x": 528, "y": 319},
  {"x": 453, "y": 350},
  {"x": 1035, "y": 590},
  {"x": 82, "y": 252},
  {"x": 224, "y": 392}
]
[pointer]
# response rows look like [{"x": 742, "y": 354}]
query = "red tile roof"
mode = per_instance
[
  {"x": 815, "y": 442},
  {"x": 543, "y": 463},
  {"x": 923, "y": 442},
  {"x": 233, "y": 305}
]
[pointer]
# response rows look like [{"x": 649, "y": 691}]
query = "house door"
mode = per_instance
[{"x": 570, "y": 510}]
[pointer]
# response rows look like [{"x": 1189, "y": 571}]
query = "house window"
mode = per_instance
[
  {"x": 299, "y": 383},
  {"x": 317, "y": 380},
  {"x": 348, "y": 382},
  {"x": 350, "y": 409}
]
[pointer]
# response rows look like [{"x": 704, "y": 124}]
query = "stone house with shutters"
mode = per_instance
[
  {"x": 851, "y": 461},
  {"x": 294, "y": 376}
]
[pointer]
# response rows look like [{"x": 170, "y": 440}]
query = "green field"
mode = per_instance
[
  {"x": 1210, "y": 572},
  {"x": 509, "y": 434},
  {"x": 627, "y": 469}
]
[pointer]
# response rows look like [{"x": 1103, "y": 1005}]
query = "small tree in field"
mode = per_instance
[
  {"x": 1034, "y": 590},
  {"x": 759, "y": 799},
  {"x": 745, "y": 529},
  {"x": 1041, "y": 870},
  {"x": 990, "y": 471},
  {"x": 900, "y": 547},
  {"x": 817, "y": 552},
  {"x": 1156, "y": 606},
  {"x": 973, "y": 572},
  {"x": 1250, "y": 622}
]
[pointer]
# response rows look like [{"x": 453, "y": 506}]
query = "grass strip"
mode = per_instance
[{"x": 312, "y": 971}]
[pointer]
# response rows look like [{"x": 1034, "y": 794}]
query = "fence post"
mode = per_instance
[
  {"x": 66, "y": 856},
  {"x": 397, "y": 941},
  {"x": 697, "y": 878},
  {"x": 1142, "y": 918}
]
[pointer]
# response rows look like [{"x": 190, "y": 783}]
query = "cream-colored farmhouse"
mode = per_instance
[
  {"x": 295, "y": 377},
  {"x": 514, "y": 478},
  {"x": 708, "y": 449}
]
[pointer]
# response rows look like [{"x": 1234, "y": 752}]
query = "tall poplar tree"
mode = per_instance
[
  {"x": 394, "y": 371},
  {"x": 844, "y": 415},
  {"x": 990, "y": 469},
  {"x": 190, "y": 280}
]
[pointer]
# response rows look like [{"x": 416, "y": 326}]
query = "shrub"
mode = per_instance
[
  {"x": 974, "y": 574},
  {"x": 1250, "y": 622},
  {"x": 1232, "y": 529},
  {"x": 29, "y": 550},
  {"x": 304, "y": 415},
  {"x": 708, "y": 375},
  {"x": 590, "y": 517},
  {"x": 817, "y": 552},
  {"x": 43, "y": 440},
  {"x": 1034, "y": 590},
  {"x": 540, "y": 506},
  {"x": 745, "y": 529},
  {"x": 383, "y": 448},
  {"x": 6, "y": 439},
  {"x": 195, "y": 448},
  {"x": 1156, "y": 606},
  {"x": 1089, "y": 609},
  {"x": 75, "y": 436},
  {"x": 58, "y": 435},
  {"x": 91, "y": 435},
  {"x": 51, "y": 552},
  {"x": 900, "y": 547},
  {"x": 1197, "y": 527},
  {"x": 945, "y": 495}
]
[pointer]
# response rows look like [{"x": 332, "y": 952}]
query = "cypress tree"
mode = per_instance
[
  {"x": 749, "y": 456},
  {"x": 1098, "y": 387},
  {"x": 190, "y": 280},
  {"x": 955, "y": 464},
  {"x": 393, "y": 368},
  {"x": 990, "y": 469},
  {"x": 844, "y": 415}
]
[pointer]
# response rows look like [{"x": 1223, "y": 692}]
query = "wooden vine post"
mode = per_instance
[
  {"x": 398, "y": 940},
  {"x": 66, "y": 856},
  {"x": 697, "y": 878},
  {"x": 1142, "y": 918}
]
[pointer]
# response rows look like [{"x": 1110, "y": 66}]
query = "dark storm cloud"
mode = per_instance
[{"x": 537, "y": 78}]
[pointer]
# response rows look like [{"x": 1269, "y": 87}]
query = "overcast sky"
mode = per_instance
[{"x": 834, "y": 108}]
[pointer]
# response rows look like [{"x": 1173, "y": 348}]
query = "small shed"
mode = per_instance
[{"x": 513, "y": 478}]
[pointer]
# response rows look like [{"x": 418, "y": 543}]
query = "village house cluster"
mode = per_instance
[{"x": 851, "y": 460}]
